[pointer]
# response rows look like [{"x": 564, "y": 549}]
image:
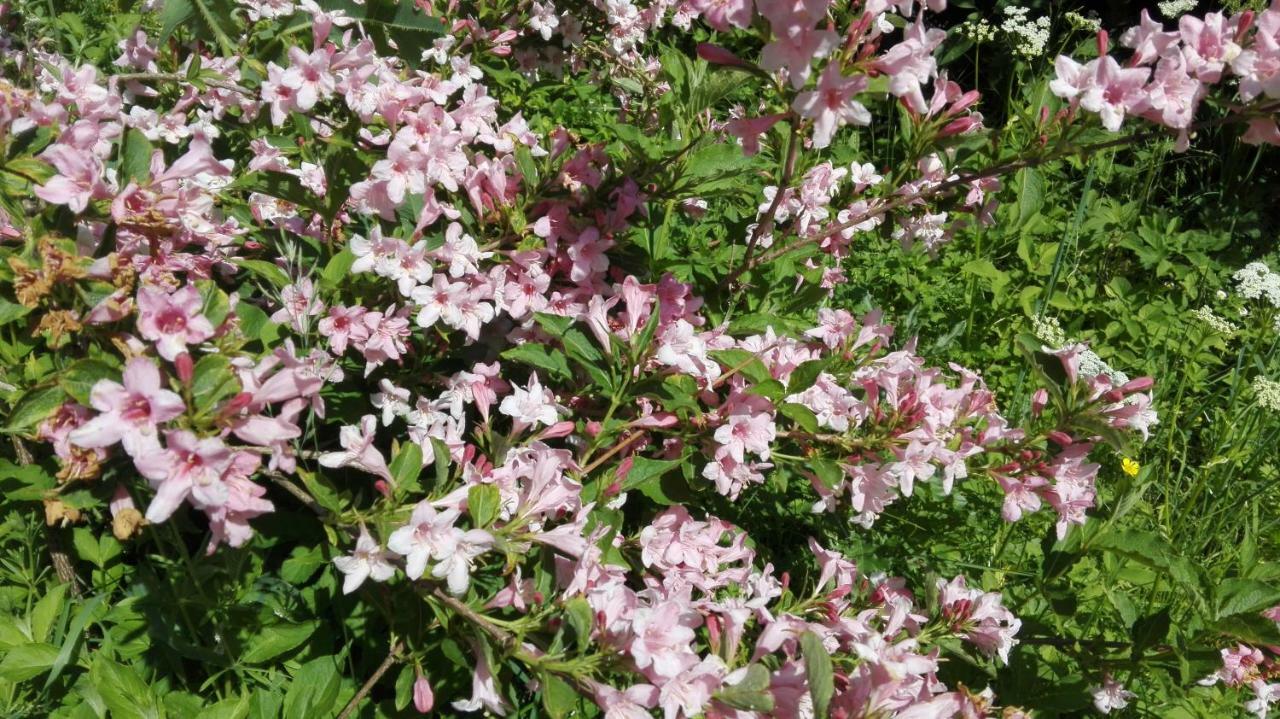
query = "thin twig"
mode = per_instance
[
  {"x": 383, "y": 668},
  {"x": 765, "y": 224},
  {"x": 178, "y": 77}
]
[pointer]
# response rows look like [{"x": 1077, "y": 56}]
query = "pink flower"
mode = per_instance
[
  {"x": 189, "y": 467},
  {"x": 308, "y": 77},
  {"x": 724, "y": 14},
  {"x": 831, "y": 104},
  {"x": 793, "y": 49},
  {"x": 78, "y": 181},
  {"x": 130, "y": 412},
  {"x": 367, "y": 561},
  {"x": 484, "y": 692},
  {"x": 428, "y": 534},
  {"x": 530, "y": 405},
  {"x": 172, "y": 321},
  {"x": 1102, "y": 87},
  {"x": 663, "y": 638},
  {"x": 910, "y": 63},
  {"x": 358, "y": 450},
  {"x": 1110, "y": 695},
  {"x": 687, "y": 694},
  {"x": 455, "y": 564}
]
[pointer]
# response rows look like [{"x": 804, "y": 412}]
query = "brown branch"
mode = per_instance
[
  {"x": 383, "y": 668},
  {"x": 765, "y": 224},
  {"x": 178, "y": 77}
]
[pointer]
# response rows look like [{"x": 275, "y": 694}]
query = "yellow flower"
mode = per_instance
[{"x": 1130, "y": 466}]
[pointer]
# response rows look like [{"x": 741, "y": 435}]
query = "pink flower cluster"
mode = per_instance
[{"x": 1171, "y": 71}]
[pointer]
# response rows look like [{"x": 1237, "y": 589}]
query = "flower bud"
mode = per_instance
[
  {"x": 185, "y": 367},
  {"x": 423, "y": 698},
  {"x": 559, "y": 429},
  {"x": 1141, "y": 384},
  {"x": 1038, "y": 401},
  {"x": 717, "y": 55},
  {"x": 1103, "y": 43},
  {"x": 1060, "y": 438}
]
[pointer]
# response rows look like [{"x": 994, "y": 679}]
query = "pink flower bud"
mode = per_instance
[
  {"x": 1246, "y": 22},
  {"x": 717, "y": 55},
  {"x": 965, "y": 101},
  {"x": 624, "y": 467},
  {"x": 1062, "y": 439},
  {"x": 593, "y": 428},
  {"x": 960, "y": 125},
  {"x": 382, "y": 486},
  {"x": 1103, "y": 43},
  {"x": 186, "y": 368},
  {"x": 559, "y": 429},
  {"x": 423, "y": 698},
  {"x": 1141, "y": 384},
  {"x": 1038, "y": 401}
]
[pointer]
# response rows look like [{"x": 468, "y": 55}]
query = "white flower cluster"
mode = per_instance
[
  {"x": 1080, "y": 22},
  {"x": 1221, "y": 325},
  {"x": 1029, "y": 36},
  {"x": 1173, "y": 8},
  {"x": 1257, "y": 282},
  {"x": 979, "y": 30},
  {"x": 1048, "y": 331},
  {"x": 1267, "y": 393}
]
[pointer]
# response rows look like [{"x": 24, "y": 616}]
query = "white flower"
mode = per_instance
[
  {"x": 530, "y": 405},
  {"x": 369, "y": 560},
  {"x": 1111, "y": 695},
  {"x": 455, "y": 567},
  {"x": 543, "y": 19}
]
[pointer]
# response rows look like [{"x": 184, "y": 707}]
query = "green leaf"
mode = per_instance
[
  {"x": 135, "y": 157},
  {"x": 314, "y": 690},
  {"x": 336, "y": 270},
  {"x": 751, "y": 694},
  {"x": 1148, "y": 631},
  {"x": 34, "y": 407},
  {"x": 1240, "y": 596},
  {"x": 26, "y": 661},
  {"x": 645, "y": 471},
  {"x": 483, "y": 503},
  {"x": 558, "y": 697},
  {"x": 828, "y": 472},
  {"x": 125, "y": 693},
  {"x": 801, "y": 415},
  {"x": 743, "y": 361},
  {"x": 803, "y": 377},
  {"x": 277, "y": 639},
  {"x": 301, "y": 564},
  {"x": 237, "y": 708},
  {"x": 1030, "y": 186},
  {"x": 987, "y": 270},
  {"x": 818, "y": 671},
  {"x": 406, "y": 466},
  {"x": 538, "y": 355},
  {"x": 72, "y": 638},
  {"x": 10, "y": 311},
  {"x": 580, "y": 617},
  {"x": 78, "y": 379},
  {"x": 268, "y": 271},
  {"x": 46, "y": 611},
  {"x": 211, "y": 381}
]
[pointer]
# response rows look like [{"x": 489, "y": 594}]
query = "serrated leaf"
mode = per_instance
[
  {"x": 1239, "y": 596},
  {"x": 26, "y": 661}
]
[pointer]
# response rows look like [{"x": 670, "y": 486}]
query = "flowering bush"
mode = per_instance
[{"x": 512, "y": 348}]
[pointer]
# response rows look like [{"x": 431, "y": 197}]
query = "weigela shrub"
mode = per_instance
[{"x": 401, "y": 273}]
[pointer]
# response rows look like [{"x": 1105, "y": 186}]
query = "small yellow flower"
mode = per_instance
[{"x": 1130, "y": 466}]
